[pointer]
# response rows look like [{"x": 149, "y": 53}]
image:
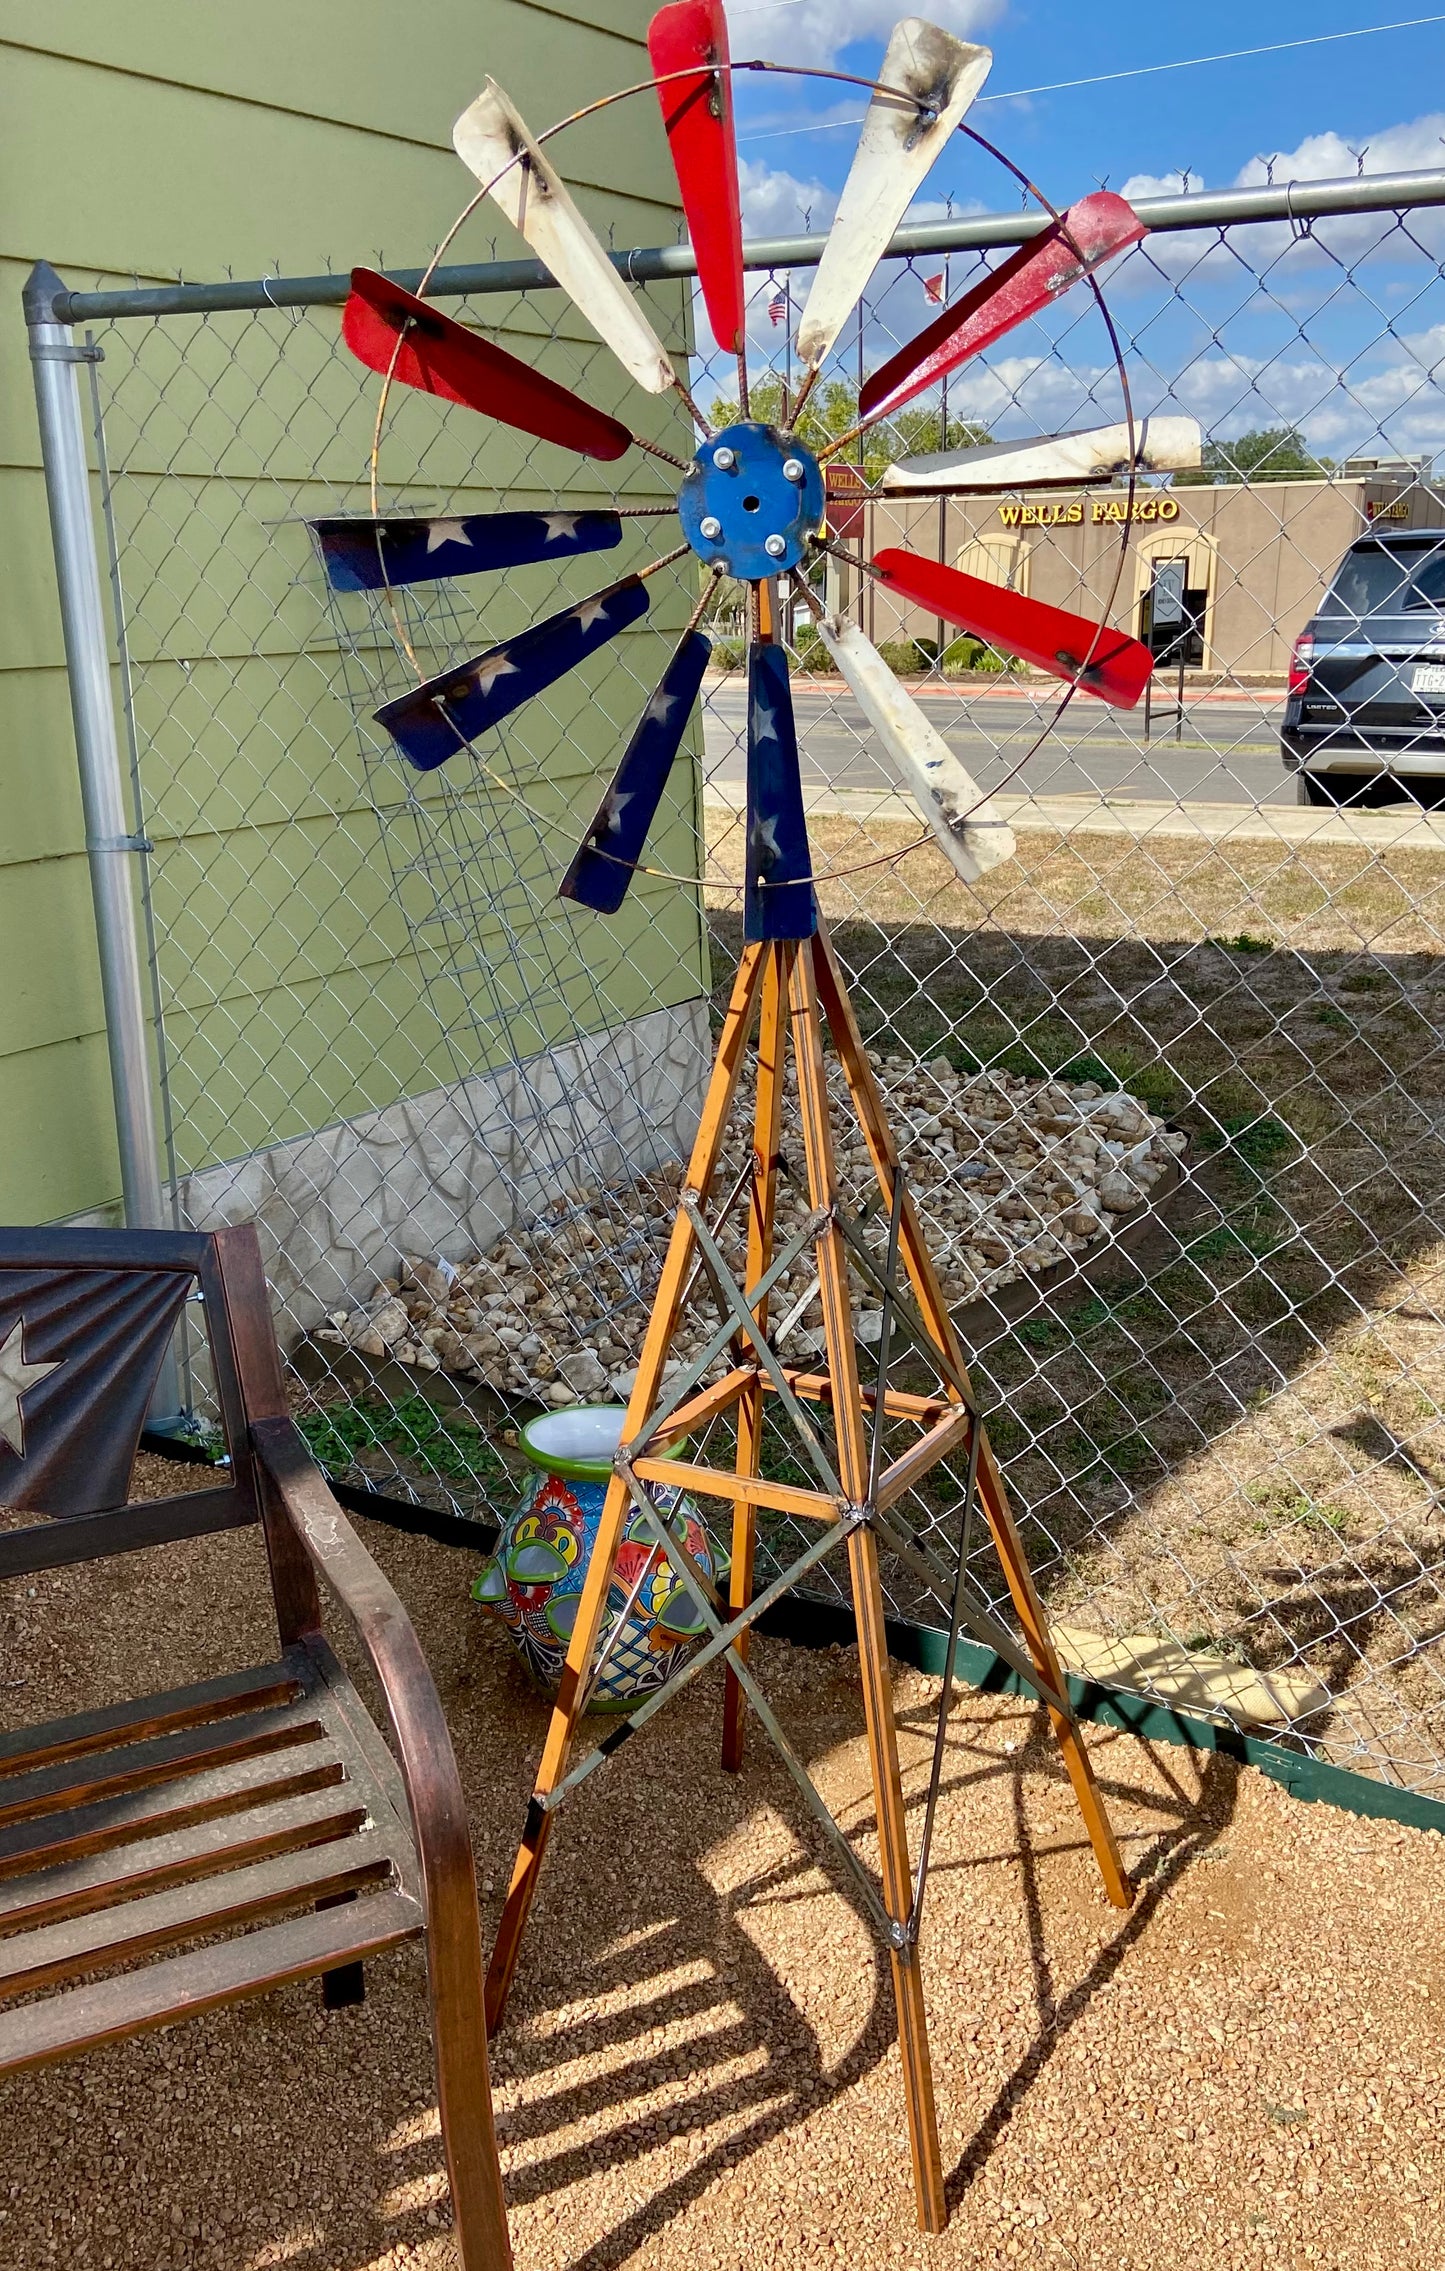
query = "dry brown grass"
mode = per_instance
[{"x": 1238, "y": 1438}]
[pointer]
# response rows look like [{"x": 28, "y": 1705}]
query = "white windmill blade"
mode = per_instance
[
  {"x": 970, "y": 831},
  {"x": 895, "y": 150},
  {"x": 1094, "y": 453},
  {"x": 488, "y": 137}
]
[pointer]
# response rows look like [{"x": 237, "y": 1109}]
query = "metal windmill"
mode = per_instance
[{"x": 752, "y": 506}]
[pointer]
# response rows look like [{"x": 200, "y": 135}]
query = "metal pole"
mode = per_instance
[
  {"x": 110, "y": 846},
  {"x": 966, "y": 232}
]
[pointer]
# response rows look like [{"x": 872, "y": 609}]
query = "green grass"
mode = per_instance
[
  {"x": 1244, "y": 942},
  {"x": 412, "y": 1429},
  {"x": 1281, "y": 1503}
]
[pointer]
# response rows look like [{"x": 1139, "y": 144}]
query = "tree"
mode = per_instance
[
  {"x": 1271, "y": 453},
  {"x": 831, "y": 411}
]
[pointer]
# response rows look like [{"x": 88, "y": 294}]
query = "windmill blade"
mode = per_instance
[
  {"x": 969, "y": 830},
  {"x": 439, "y": 356},
  {"x": 937, "y": 77},
  {"x": 607, "y": 857},
  {"x": 1088, "y": 234},
  {"x": 1094, "y": 453},
  {"x": 778, "y": 896},
  {"x": 697, "y": 110},
  {"x": 488, "y": 137},
  {"x": 1117, "y": 666},
  {"x": 432, "y": 722},
  {"x": 371, "y": 555}
]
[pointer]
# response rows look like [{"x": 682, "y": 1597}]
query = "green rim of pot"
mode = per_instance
[{"x": 577, "y": 1470}]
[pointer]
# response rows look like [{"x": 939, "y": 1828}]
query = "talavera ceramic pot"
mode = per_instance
[{"x": 533, "y": 1581}]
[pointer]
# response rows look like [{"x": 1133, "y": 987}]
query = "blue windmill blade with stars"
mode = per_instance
[
  {"x": 434, "y": 720},
  {"x": 607, "y": 858},
  {"x": 778, "y": 899},
  {"x": 362, "y": 554}
]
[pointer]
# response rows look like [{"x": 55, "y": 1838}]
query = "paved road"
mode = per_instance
[{"x": 1229, "y": 753}]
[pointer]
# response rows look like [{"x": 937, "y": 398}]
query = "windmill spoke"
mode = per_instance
[
  {"x": 432, "y": 721},
  {"x": 1096, "y": 659},
  {"x": 606, "y": 860},
  {"x": 688, "y": 43},
  {"x": 362, "y": 554},
  {"x": 969, "y": 831},
  {"x": 778, "y": 901},
  {"x": 1031, "y": 279},
  {"x": 490, "y": 137},
  {"x": 929, "y": 79},
  {"x": 392, "y": 331}
]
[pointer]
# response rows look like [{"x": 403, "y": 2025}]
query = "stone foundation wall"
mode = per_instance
[{"x": 446, "y": 1173}]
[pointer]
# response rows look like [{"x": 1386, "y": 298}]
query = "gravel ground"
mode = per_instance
[
  {"x": 699, "y": 2067},
  {"x": 1010, "y": 1174}
]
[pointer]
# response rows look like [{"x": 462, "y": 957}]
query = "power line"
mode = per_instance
[
  {"x": 1232, "y": 55},
  {"x": 1102, "y": 78}
]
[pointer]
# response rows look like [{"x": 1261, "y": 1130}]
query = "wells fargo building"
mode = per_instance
[{"x": 1256, "y": 557}]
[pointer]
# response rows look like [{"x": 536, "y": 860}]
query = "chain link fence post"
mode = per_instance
[{"x": 110, "y": 843}]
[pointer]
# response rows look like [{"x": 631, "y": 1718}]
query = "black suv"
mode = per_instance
[{"x": 1364, "y": 721}]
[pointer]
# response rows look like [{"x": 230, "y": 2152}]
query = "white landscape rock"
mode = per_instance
[{"x": 1010, "y": 1175}]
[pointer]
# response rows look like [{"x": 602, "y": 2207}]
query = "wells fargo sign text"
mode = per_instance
[{"x": 1068, "y": 513}]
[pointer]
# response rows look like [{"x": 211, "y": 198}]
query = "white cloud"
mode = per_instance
[
  {"x": 817, "y": 31},
  {"x": 1325, "y": 157},
  {"x": 1322, "y": 157},
  {"x": 1386, "y": 402},
  {"x": 779, "y": 204},
  {"x": 1407, "y": 147}
]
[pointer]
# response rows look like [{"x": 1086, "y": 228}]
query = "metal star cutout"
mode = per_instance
[
  {"x": 486, "y": 674},
  {"x": 560, "y": 524},
  {"x": 16, "y": 1376},
  {"x": 764, "y": 840},
  {"x": 591, "y": 611},
  {"x": 440, "y": 532},
  {"x": 611, "y": 812},
  {"x": 761, "y": 724}
]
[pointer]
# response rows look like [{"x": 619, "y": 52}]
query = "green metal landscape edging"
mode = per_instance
[
  {"x": 818, "y": 1624},
  {"x": 824, "y": 1624}
]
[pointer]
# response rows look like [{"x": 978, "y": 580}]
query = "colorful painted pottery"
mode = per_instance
[{"x": 534, "y": 1580}]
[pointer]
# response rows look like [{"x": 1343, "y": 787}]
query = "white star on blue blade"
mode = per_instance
[
  {"x": 434, "y": 720},
  {"x": 778, "y": 896},
  {"x": 609, "y": 852},
  {"x": 370, "y": 555}
]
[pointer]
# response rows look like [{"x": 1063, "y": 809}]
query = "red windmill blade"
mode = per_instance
[
  {"x": 1097, "y": 659},
  {"x": 691, "y": 36},
  {"x": 1032, "y": 278},
  {"x": 439, "y": 356}
]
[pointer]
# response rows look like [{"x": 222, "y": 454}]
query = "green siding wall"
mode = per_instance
[{"x": 151, "y": 139}]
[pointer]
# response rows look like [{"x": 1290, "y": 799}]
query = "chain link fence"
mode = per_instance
[{"x": 1169, "y": 1083}]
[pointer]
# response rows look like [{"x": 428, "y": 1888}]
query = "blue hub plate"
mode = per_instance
[{"x": 750, "y": 500}]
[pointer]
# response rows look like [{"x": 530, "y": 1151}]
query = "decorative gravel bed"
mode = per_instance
[
  {"x": 1012, "y": 1176},
  {"x": 699, "y": 2066}
]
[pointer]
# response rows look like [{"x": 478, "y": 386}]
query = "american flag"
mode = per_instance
[
  {"x": 933, "y": 290},
  {"x": 778, "y": 309}
]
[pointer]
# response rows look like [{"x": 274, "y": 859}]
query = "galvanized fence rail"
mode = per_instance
[{"x": 1170, "y": 1080}]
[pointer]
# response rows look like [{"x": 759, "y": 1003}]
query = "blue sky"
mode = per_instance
[
  {"x": 1349, "y": 336},
  {"x": 1214, "y": 119}
]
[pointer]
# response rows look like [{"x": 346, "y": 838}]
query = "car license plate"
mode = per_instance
[{"x": 1429, "y": 679}]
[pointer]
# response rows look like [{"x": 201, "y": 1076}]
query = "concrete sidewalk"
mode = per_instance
[
  {"x": 1040, "y": 693},
  {"x": 1403, "y": 829}
]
